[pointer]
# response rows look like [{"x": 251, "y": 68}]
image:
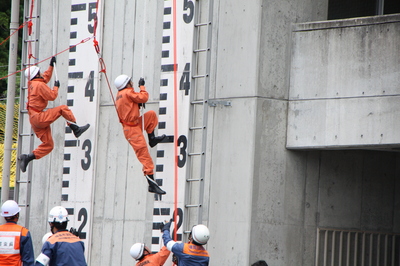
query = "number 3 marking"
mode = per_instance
[
  {"x": 182, "y": 157},
  {"x": 86, "y": 144}
]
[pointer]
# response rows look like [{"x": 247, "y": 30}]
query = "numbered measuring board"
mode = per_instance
[
  {"x": 165, "y": 162},
  {"x": 82, "y": 99}
]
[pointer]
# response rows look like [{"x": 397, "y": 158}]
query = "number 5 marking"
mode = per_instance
[
  {"x": 91, "y": 15},
  {"x": 188, "y": 4}
]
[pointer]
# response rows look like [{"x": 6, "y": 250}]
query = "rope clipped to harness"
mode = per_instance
[{"x": 103, "y": 67}]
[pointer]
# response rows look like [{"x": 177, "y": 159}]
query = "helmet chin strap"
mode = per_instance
[{"x": 51, "y": 227}]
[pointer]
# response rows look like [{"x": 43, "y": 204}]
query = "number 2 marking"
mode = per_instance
[
  {"x": 82, "y": 212},
  {"x": 178, "y": 225}
]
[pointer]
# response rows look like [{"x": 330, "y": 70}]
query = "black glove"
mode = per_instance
[
  {"x": 73, "y": 231},
  {"x": 57, "y": 83},
  {"x": 142, "y": 104},
  {"x": 174, "y": 259},
  {"x": 166, "y": 226},
  {"x": 52, "y": 61},
  {"x": 141, "y": 82}
]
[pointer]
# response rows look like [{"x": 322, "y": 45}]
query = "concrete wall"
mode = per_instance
[
  {"x": 344, "y": 86},
  {"x": 263, "y": 201},
  {"x": 123, "y": 208},
  {"x": 47, "y": 172}
]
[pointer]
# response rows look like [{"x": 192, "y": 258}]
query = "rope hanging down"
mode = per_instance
[{"x": 103, "y": 67}]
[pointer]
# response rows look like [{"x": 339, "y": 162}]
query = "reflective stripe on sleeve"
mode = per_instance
[
  {"x": 170, "y": 244},
  {"x": 43, "y": 259}
]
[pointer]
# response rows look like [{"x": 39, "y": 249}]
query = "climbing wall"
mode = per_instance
[{"x": 82, "y": 98}]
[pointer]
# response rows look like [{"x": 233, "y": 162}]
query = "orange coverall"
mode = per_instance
[
  {"x": 128, "y": 111},
  {"x": 39, "y": 94},
  {"x": 156, "y": 259}
]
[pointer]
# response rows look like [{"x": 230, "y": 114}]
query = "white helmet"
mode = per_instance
[
  {"x": 10, "y": 208},
  {"x": 121, "y": 81},
  {"x": 200, "y": 234},
  {"x": 58, "y": 215},
  {"x": 46, "y": 236},
  {"x": 137, "y": 250},
  {"x": 31, "y": 72}
]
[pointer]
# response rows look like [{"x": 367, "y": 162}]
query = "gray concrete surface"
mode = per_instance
[
  {"x": 263, "y": 201},
  {"x": 344, "y": 84}
]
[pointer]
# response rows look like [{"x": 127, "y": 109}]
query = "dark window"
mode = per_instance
[{"x": 340, "y": 9}]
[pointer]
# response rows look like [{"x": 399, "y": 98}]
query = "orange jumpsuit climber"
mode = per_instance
[
  {"x": 39, "y": 94},
  {"x": 127, "y": 104},
  {"x": 143, "y": 255}
]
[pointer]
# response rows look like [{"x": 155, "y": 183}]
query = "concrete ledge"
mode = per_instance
[{"x": 345, "y": 84}]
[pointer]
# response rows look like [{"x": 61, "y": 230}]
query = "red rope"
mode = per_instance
[
  {"x": 47, "y": 58},
  {"x": 32, "y": 5},
  {"x": 103, "y": 66},
  {"x": 20, "y": 27},
  {"x": 176, "y": 179},
  {"x": 30, "y": 24}
]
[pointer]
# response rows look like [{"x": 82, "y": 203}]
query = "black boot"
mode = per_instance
[
  {"x": 78, "y": 130},
  {"x": 24, "y": 159},
  {"x": 153, "y": 186},
  {"x": 153, "y": 140}
]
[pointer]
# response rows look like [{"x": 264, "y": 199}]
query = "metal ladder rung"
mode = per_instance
[
  {"x": 24, "y": 111},
  {"x": 26, "y": 134},
  {"x": 201, "y": 65},
  {"x": 201, "y": 50},
  {"x": 194, "y": 179},
  {"x": 200, "y": 76},
  {"x": 198, "y": 102},
  {"x": 196, "y": 153},
  {"x": 23, "y": 182},
  {"x": 196, "y": 128},
  {"x": 192, "y": 205},
  {"x": 26, "y": 17},
  {"x": 31, "y": 40},
  {"x": 26, "y": 64},
  {"x": 203, "y": 24}
]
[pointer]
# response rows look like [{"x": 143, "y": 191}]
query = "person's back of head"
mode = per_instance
[
  {"x": 260, "y": 263},
  {"x": 200, "y": 234},
  {"x": 58, "y": 218},
  {"x": 10, "y": 210}
]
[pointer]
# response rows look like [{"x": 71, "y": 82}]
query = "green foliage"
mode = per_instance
[{"x": 5, "y": 10}]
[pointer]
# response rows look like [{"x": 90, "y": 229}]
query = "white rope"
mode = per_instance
[
  {"x": 55, "y": 72},
  {"x": 143, "y": 34},
  {"x": 143, "y": 45},
  {"x": 55, "y": 2}
]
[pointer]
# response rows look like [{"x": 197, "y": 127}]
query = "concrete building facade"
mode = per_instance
[{"x": 307, "y": 144}]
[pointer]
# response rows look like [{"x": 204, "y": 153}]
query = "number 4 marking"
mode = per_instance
[
  {"x": 185, "y": 79},
  {"x": 89, "y": 90}
]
